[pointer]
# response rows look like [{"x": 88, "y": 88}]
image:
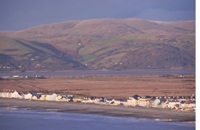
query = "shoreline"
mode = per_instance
[
  {"x": 101, "y": 72},
  {"x": 136, "y": 112}
]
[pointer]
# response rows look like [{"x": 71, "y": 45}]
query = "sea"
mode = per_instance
[{"x": 13, "y": 118}]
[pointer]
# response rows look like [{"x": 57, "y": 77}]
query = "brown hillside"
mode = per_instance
[{"x": 106, "y": 43}]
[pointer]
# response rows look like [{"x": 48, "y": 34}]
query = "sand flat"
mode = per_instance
[{"x": 137, "y": 112}]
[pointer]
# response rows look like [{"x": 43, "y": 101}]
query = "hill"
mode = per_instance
[
  {"x": 119, "y": 43},
  {"x": 23, "y": 55}
]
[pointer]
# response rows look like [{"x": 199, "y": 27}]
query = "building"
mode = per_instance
[
  {"x": 28, "y": 96},
  {"x": 15, "y": 94},
  {"x": 173, "y": 104},
  {"x": 154, "y": 102},
  {"x": 143, "y": 102},
  {"x": 51, "y": 97},
  {"x": 187, "y": 105},
  {"x": 6, "y": 94},
  {"x": 36, "y": 96},
  {"x": 131, "y": 102},
  {"x": 42, "y": 97}
]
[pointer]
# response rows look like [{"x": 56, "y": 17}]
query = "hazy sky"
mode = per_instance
[{"x": 22, "y": 14}]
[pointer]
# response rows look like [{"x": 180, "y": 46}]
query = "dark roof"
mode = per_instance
[
  {"x": 20, "y": 93},
  {"x": 163, "y": 100},
  {"x": 147, "y": 96},
  {"x": 136, "y": 96},
  {"x": 34, "y": 94},
  {"x": 109, "y": 99},
  {"x": 123, "y": 100},
  {"x": 92, "y": 98},
  {"x": 153, "y": 98},
  {"x": 188, "y": 102},
  {"x": 182, "y": 102},
  {"x": 193, "y": 97}
]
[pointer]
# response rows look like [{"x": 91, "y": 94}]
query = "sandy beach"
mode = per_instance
[{"x": 137, "y": 112}]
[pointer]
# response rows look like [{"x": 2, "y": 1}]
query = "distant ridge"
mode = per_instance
[{"x": 119, "y": 44}]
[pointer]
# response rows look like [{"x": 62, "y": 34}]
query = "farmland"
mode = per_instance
[{"x": 110, "y": 86}]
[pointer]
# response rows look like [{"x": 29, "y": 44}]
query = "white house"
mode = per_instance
[
  {"x": 15, "y": 94},
  {"x": 109, "y": 101},
  {"x": 188, "y": 105},
  {"x": 87, "y": 100},
  {"x": 58, "y": 97},
  {"x": 36, "y": 96},
  {"x": 28, "y": 96},
  {"x": 6, "y": 94},
  {"x": 131, "y": 102},
  {"x": 51, "y": 97},
  {"x": 77, "y": 99},
  {"x": 155, "y": 102},
  {"x": 64, "y": 99},
  {"x": 173, "y": 104},
  {"x": 43, "y": 97},
  {"x": 116, "y": 102}
]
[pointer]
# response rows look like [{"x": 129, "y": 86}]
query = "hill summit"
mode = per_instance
[{"x": 118, "y": 44}]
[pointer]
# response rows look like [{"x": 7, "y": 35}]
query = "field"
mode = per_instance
[{"x": 110, "y": 86}]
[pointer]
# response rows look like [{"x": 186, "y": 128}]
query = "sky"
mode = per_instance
[{"x": 22, "y": 14}]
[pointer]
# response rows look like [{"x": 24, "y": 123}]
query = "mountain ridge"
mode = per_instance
[{"x": 117, "y": 43}]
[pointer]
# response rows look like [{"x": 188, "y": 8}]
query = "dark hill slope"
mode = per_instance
[
  {"x": 159, "y": 56},
  {"x": 22, "y": 55}
]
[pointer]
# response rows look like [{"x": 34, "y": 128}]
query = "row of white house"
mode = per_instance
[
  {"x": 179, "y": 103},
  {"x": 37, "y": 96}
]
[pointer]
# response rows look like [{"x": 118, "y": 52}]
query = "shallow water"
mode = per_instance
[
  {"x": 93, "y": 72},
  {"x": 21, "y": 119}
]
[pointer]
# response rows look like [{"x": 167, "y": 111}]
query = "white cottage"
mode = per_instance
[
  {"x": 143, "y": 102},
  {"x": 58, "y": 98},
  {"x": 131, "y": 102},
  {"x": 87, "y": 100},
  {"x": 42, "y": 97},
  {"x": 64, "y": 99},
  {"x": 36, "y": 96},
  {"x": 51, "y": 97},
  {"x": 6, "y": 94},
  {"x": 28, "y": 96},
  {"x": 188, "y": 104},
  {"x": 155, "y": 102},
  {"x": 173, "y": 104},
  {"x": 15, "y": 94},
  {"x": 116, "y": 102}
]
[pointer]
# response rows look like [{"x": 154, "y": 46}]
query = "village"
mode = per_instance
[{"x": 179, "y": 103}]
